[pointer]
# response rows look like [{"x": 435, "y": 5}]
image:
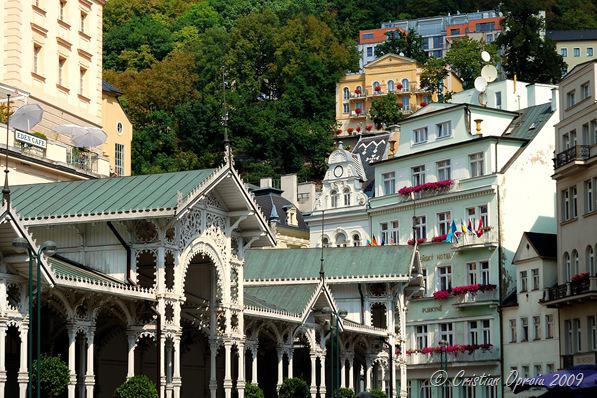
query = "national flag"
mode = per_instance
[
  {"x": 368, "y": 242},
  {"x": 463, "y": 226},
  {"x": 469, "y": 227},
  {"x": 480, "y": 229},
  {"x": 451, "y": 232},
  {"x": 374, "y": 241},
  {"x": 383, "y": 242}
]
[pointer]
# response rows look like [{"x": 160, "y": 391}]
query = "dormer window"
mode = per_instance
[{"x": 291, "y": 218}]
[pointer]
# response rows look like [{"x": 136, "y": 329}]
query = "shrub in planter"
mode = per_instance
[
  {"x": 294, "y": 388},
  {"x": 253, "y": 391},
  {"x": 136, "y": 387},
  {"x": 377, "y": 393},
  {"x": 344, "y": 393},
  {"x": 55, "y": 376}
]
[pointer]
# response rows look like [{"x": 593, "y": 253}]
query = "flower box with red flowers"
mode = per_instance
[
  {"x": 580, "y": 277},
  {"x": 399, "y": 86},
  {"x": 428, "y": 186},
  {"x": 439, "y": 238},
  {"x": 423, "y": 104},
  {"x": 349, "y": 130},
  {"x": 377, "y": 89},
  {"x": 441, "y": 294},
  {"x": 419, "y": 241},
  {"x": 339, "y": 131},
  {"x": 358, "y": 129},
  {"x": 357, "y": 91},
  {"x": 368, "y": 127},
  {"x": 358, "y": 111}
]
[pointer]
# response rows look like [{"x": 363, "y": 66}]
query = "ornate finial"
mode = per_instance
[{"x": 6, "y": 189}]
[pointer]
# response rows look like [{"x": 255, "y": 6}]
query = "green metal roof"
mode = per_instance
[
  {"x": 292, "y": 299},
  {"x": 530, "y": 121},
  {"x": 341, "y": 262},
  {"x": 105, "y": 195}
]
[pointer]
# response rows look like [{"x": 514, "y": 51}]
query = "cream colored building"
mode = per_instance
[
  {"x": 575, "y": 46},
  {"x": 52, "y": 56},
  {"x": 575, "y": 172},
  {"x": 391, "y": 73}
]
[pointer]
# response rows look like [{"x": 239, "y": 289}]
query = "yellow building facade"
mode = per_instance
[
  {"x": 119, "y": 129},
  {"x": 391, "y": 73}
]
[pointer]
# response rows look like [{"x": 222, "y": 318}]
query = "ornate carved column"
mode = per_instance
[
  {"x": 351, "y": 371},
  {"x": 322, "y": 389},
  {"x": 254, "y": 350},
  {"x": 2, "y": 358},
  {"x": 132, "y": 340},
  {"x": 368, "y": 367},
  {"x": 72, "y": 352},
  {"x": 162, "y": 366},
  {"x": 343, "y": 371},
  {"x": 23, "y": 376},
  {"x": 383, "y": 376},
  {"x": 240, "y": 381},
  {"x": 89, "y": 375},
  {"x": 228, "y": 369},
  {"x": 213, "y": 381},
  {"x": 290, "y": 354},
  {"x": 280, "y": 353},
  {"x": 313, "y": 375},
  {"x": 176, "y": 379}
]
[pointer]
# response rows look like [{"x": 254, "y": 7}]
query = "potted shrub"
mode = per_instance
[
  {"x": 294, "y": 388},
  {"x": 253, "y": 391},
  {"x": 136, "y": 387},
  {"x": 344, "y": 393},
  {"x": 377, "y": 393},
  {"x": 55, "y": 376}
]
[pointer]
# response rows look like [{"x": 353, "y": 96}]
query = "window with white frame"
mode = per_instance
[
  {"x": 524, "y": 370},
  {"x": 346, "y": 195},
  {"x": 444, "y": 170},
  {"x": 83, "y": 26},
  {"x": 389, "y": 183},
  {"x": 592, "y": 324},
  {"x": 585, "y": 134},
  {"x": 537, "y": 369},
  {"x": 424, "y": 274},
  {"x": 471, "y": 273},
  {"x": 325, "y": 242},
  {"x": 391, "y": 86},
  {"x": 573, "y": 201},
  {"x": 444, "y": 274},
  {"x": 356, "y": 240},
  {"x": 346, "y": 93},
  {"x": 418, "y": 175},
  {"x": 576, "y": 51},
  {"x": 470, "y": 215},
  {"x": 473, "y": 332},
  {"x": 486, "y": 331},
  {"x": 383, "y": 231},
  {"x": 420, "y": 227},
  {"x": 36, "y": 59},
  {"x": 485, "y": 278},
  {"x": 524, "y": 329},
  {"x": 341, "y": 240},
  {"x": 394, "y": 232},
  {"x": 421, "y": 336},
  {"x": 549, "y": 368},
  {"x": 536, "y": 327},
  {"x": 82, "y": 81},
  {"x": 446, "y": 333},
  {"x": 565, "y": 195},
  {"x": 584, "y": 91},
  {"x": 589, "y": 196},
  {"x": 590, "y": 260},
  {"x": 535, "y": 278},
  {"x": 564, "y": 52},
  {"x": 443, "y": 222},
  {"x": 513, "y": 330},
  {"x": 549, "y": 326},
  {"x": 577, "y": 335},
  {"x": 334, "y": 198},
  {"x": 567, "y": 266},
  {"x": 484, "y": 215},
  {"x": 62, "y": 10},
  {"x": 575, "y": 262},
  {"x": 61, "y": 70},
  {"x": 568, "y": 336},
  {"x": 345, "y": 108},
  {"x": 443, "y": 129},
  {"x": 420, "y": 135},
  {"x": 570, "y": 100},
  {"x": 523, "y": 281},
  {"x": 119, "y": 159},
  {"x": 476, "y": 163}
]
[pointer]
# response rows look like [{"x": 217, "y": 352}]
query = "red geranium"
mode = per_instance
[
  {"x": 350, "y": 130},
  {"x": 441, "y": 294},
  {"x": 428, "y": 186},
  {"x": 358, "y": 111},
  {"x": 339, "y": 131},
  {"x": 357, "y": 91},
  {"x": 423, "y": 103},
  {"x": 579, "y": 277},
  {"x": 368, "y": 127},
  {"x": 419, "y": 241},
  {"x": 399, "y": 86},
  {"x": 358, "y": 129},
  {"x": 439, "y": 238},
  {"x": 377, "y": 88}
]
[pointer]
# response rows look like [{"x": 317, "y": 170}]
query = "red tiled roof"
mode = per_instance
[
  {"x": 472, "y": 24},
  {"x": 379, "y": 35}
]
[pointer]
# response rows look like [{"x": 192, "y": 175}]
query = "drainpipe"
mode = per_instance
[
  {"x": 128, "y": 251},
  {"x": 362, "y": 304},
  {"x": 501, "y": 283}
]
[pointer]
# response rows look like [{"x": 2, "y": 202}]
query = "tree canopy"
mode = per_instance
[
  {"x": 464, "y": 57},
  {"x": 385, "y": 110},
  {"x": 408, "y": 44}
]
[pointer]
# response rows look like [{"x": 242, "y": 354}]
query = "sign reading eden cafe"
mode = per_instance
[{"x": 30, "y": 139}]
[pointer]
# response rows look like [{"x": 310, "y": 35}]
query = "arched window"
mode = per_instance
[
  {"x": 575, "y": 268},
  {"x": 346, "y": 194},
  {"x": 567, "y": 266},
  {"x": 391, "y": 86},
  {"x": 376, "y": 88},
  {"x": 405, "y": 87},
  {"x": 426, "y": 389},
  {"x": 340, "y": 240},
  {"x": 590, "y": 256},
  {"x": 325, "y": 241},
  {"x": 334, "y": 198},
  {"x": 356, "y": 240},
  {"x": 346, "y": 93},
  {"x": 359, "y": 90}
]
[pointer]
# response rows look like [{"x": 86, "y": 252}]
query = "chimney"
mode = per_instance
[
  {"x": 531, "y": 95},
  {"x": 265, "y": 183},
  {"x": 289, "y": 187},
  {"x": 554, "y": 99}
]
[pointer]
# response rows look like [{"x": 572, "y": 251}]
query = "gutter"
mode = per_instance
[{"x": 128, "y": 252}]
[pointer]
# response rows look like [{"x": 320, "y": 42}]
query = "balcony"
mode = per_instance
[
  {"x": 576, "y": 153},
  {"x": 82, "y": 159},
  {"x": 470, "y": 299},
  {"x": 472, "y": 241},
  {"x": 360, "y": 96},
  {"x": 571, "y": 292},
  {"x": 356, "y": 115},
  {"x": 422, "y": 360}
]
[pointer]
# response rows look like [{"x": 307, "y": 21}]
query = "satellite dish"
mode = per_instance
[
  {"x": 480, "y": 84},
  {"x": 482, "y": 99},
  {"x": 485, "y": 56},
  {"x": 489, "y": 73},
  {"x": 26, "y": 117}
]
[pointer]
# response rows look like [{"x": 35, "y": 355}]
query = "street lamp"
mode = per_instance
[
  {"x": 443, "y": 357},
  {"x": 334, "y": 345},
  {"x": 21, "y": 245}
]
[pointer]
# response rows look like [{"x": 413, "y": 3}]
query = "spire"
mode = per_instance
[{"x": 6, "y": 189}]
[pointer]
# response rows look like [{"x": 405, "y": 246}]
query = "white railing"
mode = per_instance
[
  {"x": 435, "y": 358},
  {"x": 472, "y": 240}
]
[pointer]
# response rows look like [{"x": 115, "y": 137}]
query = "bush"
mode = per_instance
[
  {"x": 136, "y": 387},
  {"x": 55, "y": 376},
  {"x": 253, "y": 391},
  {"x": 344, "y": 393},
  {"x": 377, "y": 393},
  {"x": 294, "y": 388}
]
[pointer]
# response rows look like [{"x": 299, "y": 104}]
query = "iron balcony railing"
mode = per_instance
[
  {"x": 576, "y": 152},
  {"x": 571, "y": 289},
  {"x": 82, "y": 159}
]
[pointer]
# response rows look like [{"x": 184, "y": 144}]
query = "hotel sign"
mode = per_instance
[{"x": 30, "y": 139}]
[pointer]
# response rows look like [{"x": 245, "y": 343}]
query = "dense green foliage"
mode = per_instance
[
  {"x": 377, "y": 393},
  {"x": 344, "y": 393},
  {"x": 55, "y": 376},
  {"x": 408, "y": 44},
  {"x": 432, "y": 76},
  {"x": 527, "y": 55},
  {"x": 253, "y": 391},
  {"x": 465, "y": 60},
  {"x": 281, "y": 60},
  {"x": 136, "y": 387},
  {"x": 386, "y": 110},
  {"x": 294, "y": 388}
]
